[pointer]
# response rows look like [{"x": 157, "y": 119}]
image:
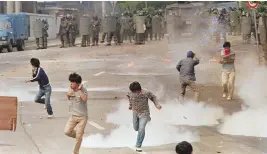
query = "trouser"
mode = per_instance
[
  {"x": 148, "y": 32},
  {"x": 124, "y": 34},
  {"x": 63, "y": 39},
  {"x": 85, "y": 40},
  {"x": 254, "y": 34},
  {"x": 234, "y": 30},
  {"x": 110, "y": 35},
  {"x": 193, "y": 86},
  {"x": 103, "y": 37},
  {"x": 44, "y": 42},
  {"x": 75, "y": 129},
  {"x": 38, "y": 41},
  {"x": 162, "y": 32},
  {"x": 95, "y": 37},
  {"x": 118, "y": 37},
  {"x": 157, "y": 35},
  {"x": 228, "y": 83},
  {"x": 139, "y": 124},
  {"x": 140, "y": 38},
  {"x": 44, "y": 91},
  {"x": 71, "y": 39},
  {"x": 246, "y": 38}
]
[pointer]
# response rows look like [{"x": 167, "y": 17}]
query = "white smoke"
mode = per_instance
[
  {"x": 251, "y": 120},
  {"x": 20, "y": 92},
  {"x": 161, "y": 129}
]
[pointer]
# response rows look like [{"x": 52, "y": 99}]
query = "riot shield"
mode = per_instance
[
  {"x": 233, "y": 18},
  {"x": 170, "y": 24},
  {"x": 125, "y": 22},
  {"x": 139, "y": 25},
  {"x": 262, "y": 30},
  {"x": 109, "y": 24},
  {"x": 246, "y": 25},
  {"x": 156, "y": 24},
  {"x": 38, "y": 28},
  {"x": 85, "y": 23}
]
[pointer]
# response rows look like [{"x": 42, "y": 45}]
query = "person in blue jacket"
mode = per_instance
[{"x": 45, "y": 89}]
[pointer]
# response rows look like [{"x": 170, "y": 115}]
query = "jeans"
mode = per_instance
[
  {"x": 44, "y": 91},
  {"x": 139, "y": 124}
]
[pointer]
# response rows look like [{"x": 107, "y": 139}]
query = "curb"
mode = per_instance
[{"x": 53, "y": 45}]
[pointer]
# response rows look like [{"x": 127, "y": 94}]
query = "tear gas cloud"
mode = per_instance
[
  {"x": 161, "y": 129},
  {"x": 253, "y": 92},
  {"x": 19, "y": 92}
]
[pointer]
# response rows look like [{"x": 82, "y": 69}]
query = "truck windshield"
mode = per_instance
[{"x": 3, "y": 24}]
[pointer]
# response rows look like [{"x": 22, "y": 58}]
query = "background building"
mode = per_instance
[{"x": 18, "y": 6}]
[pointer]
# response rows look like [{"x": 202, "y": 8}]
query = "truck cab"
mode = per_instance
[
  {"x": 13, "y": 31},
  {"x": 6, "y": 32}
]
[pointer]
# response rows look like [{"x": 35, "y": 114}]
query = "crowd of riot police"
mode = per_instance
[
  {"x": 232, "y": 21},
  {"x": 142, "y": 26},
  {"x": 68, "y": 31},
  {"x": 137, "y": 25}
]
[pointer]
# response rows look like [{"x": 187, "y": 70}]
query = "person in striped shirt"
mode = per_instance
[{"x": 45, "y": 89}]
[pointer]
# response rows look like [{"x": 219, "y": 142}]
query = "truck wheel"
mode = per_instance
[
  {"x": 20, "y": 45},
  {"x": 9, "y": 47},
  {"x": 1, "y": 50}
]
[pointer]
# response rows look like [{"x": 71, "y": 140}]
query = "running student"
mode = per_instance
[
  {"x": 228, "y": 70},
  {"x": 45, "y": 89},
  {"x": 186, "y": 67},
  {"x": 79, "y": 114},
  {"x": 138, "y": 99}
]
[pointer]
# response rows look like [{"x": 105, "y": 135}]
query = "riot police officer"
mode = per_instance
[
  {"x": 118, "y": 31},
  {"x": 95, "y": 30},
  {"x": 63, "y": 32},
  {"x": 156, "y": 26},
  {"x": 140, "y": 28},
  {"x": 148, "y": 23},
  {"x": 72, "y": 31},
  {"x": 126, "y": 25},
  {"x": 85, "y": 28},
  {"x": 104, "y": 33},
  {"x": 45, "y": 34},
  {"x": 222, "y": 21},
  {"x": 38, "y": 33}
]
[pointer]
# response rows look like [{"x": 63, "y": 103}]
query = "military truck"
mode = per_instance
[
  {"x": 13, "y": 31},
  {"x": 183, "y": 19}
]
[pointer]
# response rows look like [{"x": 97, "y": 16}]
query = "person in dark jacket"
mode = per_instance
[
  {"x": 186, "y": 67},
  {"x": 45, "y": 89}
]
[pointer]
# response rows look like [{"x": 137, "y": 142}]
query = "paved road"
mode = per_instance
[{"x": 109, "y": 70}]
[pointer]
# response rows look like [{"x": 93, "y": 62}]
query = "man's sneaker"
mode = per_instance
[
  {"x": 224, "y": 95},
  {"x": 139, "y": 150},
  {"x": 50, "y": 116},
  {"x": 229, "y": 98}
]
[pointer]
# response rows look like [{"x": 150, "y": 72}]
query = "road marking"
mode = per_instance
[
  {"x": 97, "y": 74},
  {"x": 96, "y": 125},
  {"x": 134, "y": 149}
]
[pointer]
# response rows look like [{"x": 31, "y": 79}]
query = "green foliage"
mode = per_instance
[{"x": 140, "y": 5}]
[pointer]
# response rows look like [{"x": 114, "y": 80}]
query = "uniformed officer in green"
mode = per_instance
[
  {"x": 95, "y": 30},
  {"x": 45, "y": 34}
]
